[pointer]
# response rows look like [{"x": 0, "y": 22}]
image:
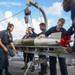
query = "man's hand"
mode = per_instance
[
  {"x": 69, "y": 49},
  {"x": 14, "y": 48},
  {"x": 5, "y": 49},
  {"x": 24, "y": 50},
  {"x": 57, "y": 42},
  {"x": 3, "y": 46},
  {"x": 16, "y": 51},
  {"x": 40, "y": 36}
]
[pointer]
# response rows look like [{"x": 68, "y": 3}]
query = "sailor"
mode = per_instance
[
  {"x": 44, "y": 66},
  {"x": 6, "y": 39},
  {"x": 52, "y": 60},
  {"x": 28, "y": 56},
  {"x": 69, "y": 5},
  {"x": 42, "y": 28}
]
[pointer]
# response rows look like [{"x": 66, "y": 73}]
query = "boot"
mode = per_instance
[
  {"x": 32, "y": 69},
  {"x": 7, "y": 72},
  {"x": 22, "y": 68},
  {"x": 1, "y": 72},
  {"x": 41, "y": 73}
]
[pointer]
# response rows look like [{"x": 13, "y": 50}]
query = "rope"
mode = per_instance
[
  {"x": 12, "y": 16},
  {"x": 31, "y": 16}
]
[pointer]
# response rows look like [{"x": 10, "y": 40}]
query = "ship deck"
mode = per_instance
[{"x": 15, "y": 68}]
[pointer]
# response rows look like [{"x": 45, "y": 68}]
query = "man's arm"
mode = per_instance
[
  {"x": 47, "y": 33},
  {"x": 2, "y": 45},
  {"x": 73, "y": 12},
  {"x": 14, "y": 48},
  {"x": 70, "y": 31}
]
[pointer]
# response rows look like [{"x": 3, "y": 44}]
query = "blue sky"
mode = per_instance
[{"x": 53, "y": 9}]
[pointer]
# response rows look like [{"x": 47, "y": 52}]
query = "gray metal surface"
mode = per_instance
[
  {"x": 59, "y": 51},
  {"x": 40, "y": 42},
  {"x": 15, "y": 69}
]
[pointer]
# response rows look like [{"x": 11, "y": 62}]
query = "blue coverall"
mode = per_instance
[
  {"x": 71, "y": 30},
  {"x": 43, "y": 65},
  {"x": 6, "y": 39},
  {"x": 29, "y": 55},
  {"x": 53, "y": 60}
]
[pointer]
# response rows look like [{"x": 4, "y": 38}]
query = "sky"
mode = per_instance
[{"x": 52, "y": 8}]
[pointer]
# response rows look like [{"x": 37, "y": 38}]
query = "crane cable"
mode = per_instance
[
  {"x": 12, "y": 16},
  {"x": 39, "y": 15}
]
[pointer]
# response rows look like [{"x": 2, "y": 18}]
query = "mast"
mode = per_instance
[{"x": 30, "y": 2}]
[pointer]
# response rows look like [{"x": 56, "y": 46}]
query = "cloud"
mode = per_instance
[
  {"x": 2, "y": 23},
  {"x": 37, "y": 22},
  {"x": 20, "y": 26},
  {"x": 55, "y": 9},
  {"x": 1, "y": 14},
  {"x": 8, "y": 4}
]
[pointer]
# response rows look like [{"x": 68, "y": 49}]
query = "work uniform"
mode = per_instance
[
  {"x": 29, "y": 55},
  {"x": 53, "y": 60},
  {"x": 71, "y": 30},
  {"x": 43, "y": 57},
  {"x": 6, "y": 39},
  {"x": 43, "y": 32}
]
